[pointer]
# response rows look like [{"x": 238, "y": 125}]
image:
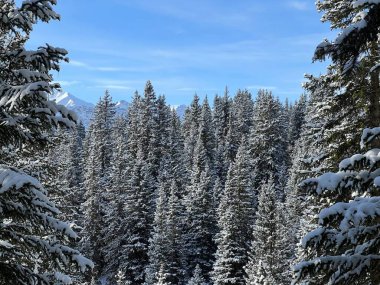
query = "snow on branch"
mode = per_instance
[{"x": 368, "y": 136}]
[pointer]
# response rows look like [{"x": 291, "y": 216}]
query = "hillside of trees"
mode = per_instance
[{"x": 245, "y": 189}]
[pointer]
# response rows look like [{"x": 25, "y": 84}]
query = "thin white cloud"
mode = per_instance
[
  {"x": 115, "y": 87},
  {"x": 77, "y": 63},
  {"x": 258, "y": 87},
  {"x": 109, "y": 68},
  {"x": 64, "y": 83},
  {"x": 299, "y": 5},
  {"x": 186, "y": 89},
  {"x": 199, "y": 11},
  {"x": 82, "y": 64}
]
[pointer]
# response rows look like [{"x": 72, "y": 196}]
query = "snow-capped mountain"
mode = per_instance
[
  {"x": 181, "y": 109},
  {"x": 122, "y": 107},
  {"x": 83, "y": 109}
]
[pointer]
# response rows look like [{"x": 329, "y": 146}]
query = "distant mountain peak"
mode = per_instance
[{"x": 85, "y": 109}]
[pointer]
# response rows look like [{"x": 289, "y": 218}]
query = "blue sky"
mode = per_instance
[{"x": 184, "y": 47}]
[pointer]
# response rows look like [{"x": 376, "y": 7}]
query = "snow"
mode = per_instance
[
  {"x": 375, "y": 67},
  {"x": 5, "y": 244},
  {"x": 64, "y": 279},
  {"x": 83, "y": 262},
  {"x": 355, "y": 26},
  {"x": 69, "y": 100},
  {"x": 83, "y": 110},
  {"x": 376, "y": 182},
  {"x": 11, "y": 178},
  {"x": 359, "y": 3},
  {"x": 368, "y": 135},
  {"x": 354, "y": 213},
  {"x": 326, "y": 182},
  {"x": 371, "y": 157}
]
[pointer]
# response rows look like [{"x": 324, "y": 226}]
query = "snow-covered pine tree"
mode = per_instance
[
  {"x": 165, "y": 244},
  {"x": 221, "y": 119},
  {"x": 177, "y": 154},
  {"x": 137, "y": 225},
  {"x": 190, "y": 130},
  {"x": 235, "y": 220},
  {"x": 197, "y": 278},
  {"x": 113, "y": 229},
  {"x": 356, "y": 48},
  {"x": 97, "y": 181},
  {"x": 355, "y": 54},
  {"x": 297, "y": 120},
  {"x": 152, "y": 141},
  {"x": 206, "y": 137},
  {"x": 266, "y": 257},
  {"x": 309, "y": 159},
  {"x": 200, "y": 220},
  {"x": 344, "y": 248},
  {"x": 73, "y": 178},
  {"x": 161, "y": 278},
  {"x": 267, "y": 141},
  {"x": 243, "y": 112},
  {"x": 158, "y": 243},
  {"x": 148, "y": 143},
  {"x": 33, "y": 246},
  {"x": 175, "y": 231}
]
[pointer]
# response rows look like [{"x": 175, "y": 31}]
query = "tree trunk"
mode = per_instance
[{"x": 374, "y": 101}]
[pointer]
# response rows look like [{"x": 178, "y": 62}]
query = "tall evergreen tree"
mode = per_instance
[
  {"x": 344, "y": 248},
  {"x": 97, "y": 180},
  {"x": 114, "y": 230},
  {"x": 33, "y": 246},
  {"x": 221, "y": 118},
  {"x": 134, "y": 250},
  {"x": 267, "y": 141},
  {"x": 266, "y": 256},
  {"x": 197, "y": 278},
  {"x": 200, "y": 225},
  {"x": 235, "y": 219},
  {"x": 190, "y": 130}
]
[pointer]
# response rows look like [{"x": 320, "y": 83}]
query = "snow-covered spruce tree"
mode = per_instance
[
  {"x": 200, "y": 225},
  {"x": 134, "y": 250},
  {"x": 206, "y": 138},
  {"x": 28, "y": 224},
  {"x": 357, "y": 45},
  {"x": 145, "y": 148},
  {"x": 177, "y": 154},
  {"x": 221, "y": 119},
  {"x": 158, "y": 241},
  {"x": 97, "y": 181},
  {"x": 190, "y": 130},
  {"x": 296, "y": 120},
  {"x": 113, "y": 229},
  {"x": 239, "y": 125},
  {"x": 267, "y": 255},
  {"x": 152, "y": 141},
  {"x": 165, "y": 244},
  {"x": 197, "y": 278},
  {"x": 312, "y": 155},
  {"x": 165, "y": 252},
  {"x": 175, "y": 230},
  {"x": 235, "y": 219},
  {"x": 344, "y": 249},
  {"x": 73, "y": 177},
  {"x": 267, "y": 141},
  {"x": 243, "y": 112}
]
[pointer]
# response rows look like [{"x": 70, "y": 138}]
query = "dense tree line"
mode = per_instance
[
  {"x": 223, "y": 196},
  {"x": 171, "y": 202}
]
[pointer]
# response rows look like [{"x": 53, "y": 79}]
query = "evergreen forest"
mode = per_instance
[{"x": 244, "y": 189}]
